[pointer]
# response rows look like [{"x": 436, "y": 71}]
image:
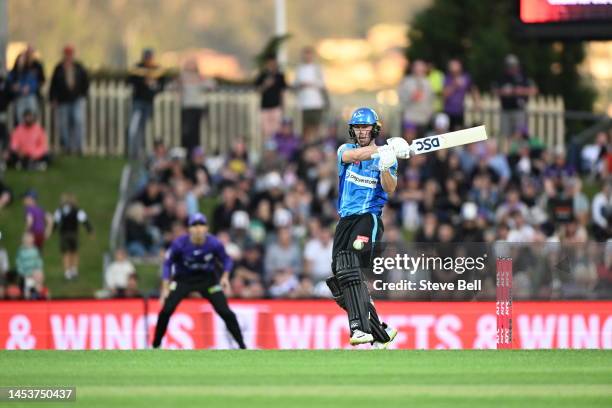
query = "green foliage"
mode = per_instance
[
  {"x": 480, "y": 33},
  {"x": 270, "y": 49}
]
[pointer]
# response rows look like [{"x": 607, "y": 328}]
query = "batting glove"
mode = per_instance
[
  {"x": 401, "y": 148},
  {"x": 387, "y": 158}
]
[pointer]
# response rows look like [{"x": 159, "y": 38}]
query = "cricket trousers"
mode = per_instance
[{"x": 209, "y": 289}]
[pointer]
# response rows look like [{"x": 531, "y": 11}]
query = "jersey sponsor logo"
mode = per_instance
[
  {"x": 363, "y": 238},
  {"x": 427, "y": 144},
  {"x": 363, "y": 181}
]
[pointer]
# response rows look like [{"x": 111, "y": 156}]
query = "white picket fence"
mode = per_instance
[
  {"x": 545, "y": 117},
  {"x": 234, "y": 114}
]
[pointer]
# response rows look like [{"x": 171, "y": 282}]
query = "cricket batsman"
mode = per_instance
[
  {"x": 191, "y": 265},
  {"x": 364, "y": 185}
]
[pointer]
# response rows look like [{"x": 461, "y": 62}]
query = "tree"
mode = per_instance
[{"x": 480, "y": 33}]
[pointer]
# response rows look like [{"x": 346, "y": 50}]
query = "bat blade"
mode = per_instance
[{"x": 450, "y": 139}]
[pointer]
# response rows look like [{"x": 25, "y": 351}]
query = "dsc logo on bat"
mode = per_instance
[{"x": 427, "y": 144}]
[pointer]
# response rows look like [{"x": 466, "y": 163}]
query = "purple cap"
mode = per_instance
[{"x": 197, "y": 219}]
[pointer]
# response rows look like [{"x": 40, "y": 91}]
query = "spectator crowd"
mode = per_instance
[{"x": 276, "y": 214}]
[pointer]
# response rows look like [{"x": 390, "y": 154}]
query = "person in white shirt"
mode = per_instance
[
  {"x": 602, "y": 213},
  {"x": 311, "y": 93},
  {"x": 318, "y": 255},
  {"x": 118, "y": 273}
]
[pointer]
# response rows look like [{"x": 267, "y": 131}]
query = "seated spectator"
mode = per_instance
[
  {"x": 12, "y": 289},
  {"x": 151, "y": 198},
  {"x": 117, "y": 274},
  {"x": 247, "y": 280},
  {"x": 197, "y": 172},
  {"x": 513, "y": 203},
  {"x": 601, "y": 210},
  {"x": 604, "y": 274},
  {"x": 185, "y": 194},
  {"x": 166, "y": 218},
  {"x": 237, "y": 164},
  {"x": 521, "y": 232},
  {"x": 159, "y": 162},
  {"x": 139, "y": 238},
  {"x": 29, "y": 147},
  {"x": 560, "y": 169},
  {"x": 594, "y": 155},
  {"x": 286, "y": 142},
  {"x": 283, "y": 264},
  {"x": 318, "y": 256},
  {"x": 6, "y": 195},
  {"x": 131, "y": 290},
  {"x": 29, "y": 266},
  {"x": 222, "y": 214}
]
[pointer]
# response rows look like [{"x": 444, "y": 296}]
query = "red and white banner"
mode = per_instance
[{"x": 308, "y": 324}]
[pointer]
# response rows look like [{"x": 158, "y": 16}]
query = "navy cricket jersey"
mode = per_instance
[
  {"x": 185, "y": 259},
  {"x": 360, "y": 190}
]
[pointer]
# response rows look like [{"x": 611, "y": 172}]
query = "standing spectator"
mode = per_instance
[
  {"x": 513, "y": 88},
  {"x": 436, "y": 81},
  {"x": 312, "y": 94},
  {"x": 146, "y": 79},
  {"x": 417, "y": 97},
  {"x": 456, "y": 86},
  {"x": 68, "y": 92},
  {"x": 192, "y": 86},
  {"x": 29, "y": 264},
  {"x": 66, "y": 220},
  {"x": 271, "y": 84},
  {"x": 26, "y": 80},
  {"x": 117, "y": 273},
  {"x": 29, "y": 144},
  {"x": 36, "y": 219}
]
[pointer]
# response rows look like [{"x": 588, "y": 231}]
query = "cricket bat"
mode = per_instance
[
  {"x": 447, "y": 140},
  {"x": 450, "y": 139}
]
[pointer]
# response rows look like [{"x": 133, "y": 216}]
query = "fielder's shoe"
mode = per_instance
[
  {"x": 360, "y": 337},
  {"x": 392, "y": 333}
]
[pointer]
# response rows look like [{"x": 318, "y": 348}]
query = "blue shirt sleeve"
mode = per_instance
[
  {"x": 171, "y": 256},
  {"x": 342, "y": 149}
]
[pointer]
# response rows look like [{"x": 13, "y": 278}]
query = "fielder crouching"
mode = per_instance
[
  {"x": 191, "y": 265},
  {"x": 364, "y": 184}
]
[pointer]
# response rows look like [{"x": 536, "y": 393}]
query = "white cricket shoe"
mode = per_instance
[
  {"x": 360, "y": 337},
  {"x": 392, "y": 333}
]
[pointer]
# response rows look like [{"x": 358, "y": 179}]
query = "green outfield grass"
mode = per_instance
[{"x": 359, "y": 378}]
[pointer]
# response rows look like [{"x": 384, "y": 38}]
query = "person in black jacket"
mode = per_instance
[
  {"x": 147, "y": 79},
  {"x": 66, "y": 220},
  {"x": 68, "y": 92}
]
